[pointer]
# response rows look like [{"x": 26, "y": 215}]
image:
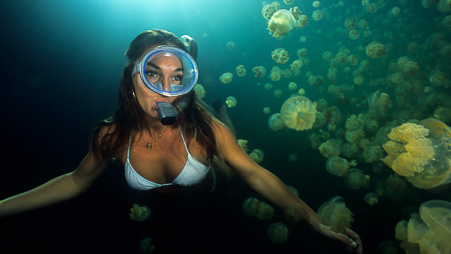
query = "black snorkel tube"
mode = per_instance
[{"x": 166, "y": 111}]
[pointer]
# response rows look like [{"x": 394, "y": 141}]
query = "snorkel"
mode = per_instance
[{"x": 166, "y": 111}]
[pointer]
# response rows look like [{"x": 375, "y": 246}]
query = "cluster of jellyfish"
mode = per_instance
[{"x": 379, "y": 109}]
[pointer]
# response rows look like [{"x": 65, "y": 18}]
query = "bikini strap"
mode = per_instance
[{"x": 129, "y": 143}]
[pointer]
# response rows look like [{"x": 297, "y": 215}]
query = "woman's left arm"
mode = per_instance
[{"x": 272, "y": 188}]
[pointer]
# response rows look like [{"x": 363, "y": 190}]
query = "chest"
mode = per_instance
[{"x": 166, "y": 158}]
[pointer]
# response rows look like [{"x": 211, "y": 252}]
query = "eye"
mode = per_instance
[
  {"x": 151, "y": 75},
  {"x": 178, "y": 78}
]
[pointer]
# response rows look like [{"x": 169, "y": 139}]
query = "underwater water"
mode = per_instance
[{"x": 62, "y": 61}]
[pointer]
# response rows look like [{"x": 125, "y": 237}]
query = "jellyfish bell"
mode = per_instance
[
  {"x": 335, "y": 214},
  {"x": 275, "y": 122},
  {"x": 278, "y": 233},
  {"x": 337, "y": 166},
  {"x": 231, "y": 101},
  {"x": 298, "y": 113},
  {"x": 281, "y": 23}
]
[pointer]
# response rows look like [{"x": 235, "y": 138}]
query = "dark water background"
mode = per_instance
[{"x": 61, "y": 62}]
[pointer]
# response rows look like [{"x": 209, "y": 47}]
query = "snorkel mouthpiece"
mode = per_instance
[{"x": 167, "y": 113}]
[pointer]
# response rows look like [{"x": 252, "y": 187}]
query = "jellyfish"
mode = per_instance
[
  {"x": 288, "y": 2},
  {"x": 230, "y": 45},
  {"x": 335, "y": 214},
  {"x": 146, "y": 246},
  {"x": 278, "y": 93},
  {"x": 375, "y": 50},
  {"x": 316, "y": 4},
  {"x": 252, "y": 207},
  {"x": 302, "y": 21},
  {"x": 388, "y": 247},
  {"x": 231, "y": 101},
  {"x": 303, "y": 39},
  {"x": 302, "y": 52},
  {"x": 371, "y": 8},
  {"x": 275, "y": 122},
  {"x": 352, "y": 124},
  {"x": 443, "y": 114},
  {"x": 363, "y": 24},
  {"x": 432, "y": 231},
  {"x": 330, "y": 147},
  {"x": 139, "y": 213},
  {"x": 317, "y": 15},
  {"x": 327, "y": 56},
  {"x": 350, "y": 23},
  {"x": 396, "y": 188},
  {"x": 281, "y": 23},
  {"x": 373, "y": 153},
  {"x": 287, "y": 73},
  {"x": 298, "y": 113},
  {"x": 280, "y": 55},
  {"x": 292, "y": 86},
  {"x": 292, "y": 157},
  {"x": 302, "y": 92},
  {"x": 257, "y": 155},
  {"x": 410, "y": 68},
  {"x": 243, "y": 144},
  {"x": 337, "y": 166},
  {"x": 356, "y": 179},
  {"x": 275, "y": 73},
  {"x": 200, "y": 91},
  {"x": 421, "y": 153},
  {"x": 268, "y": 10},
  {"x": 268, "y": 86},
  {"x": 438, "y": 78},
  {"x": 371, "y": 198},
  {"x": 241, "y": 71},
  {"x": 259, "y": 71},
  {"x": 277, "y": 233},
  {"x": 296, "y": 65},
  {"x": 226, "y": 77},
  {"x": 294, "y": 213},
  {"x": 266, "y": 110},
  {"x": 354, "y": 34}
]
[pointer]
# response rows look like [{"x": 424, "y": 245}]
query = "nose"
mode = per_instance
[{"x": 165, "y": 83}]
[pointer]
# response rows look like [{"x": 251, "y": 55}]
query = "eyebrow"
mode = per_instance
[{"x": 158, "y": 67}]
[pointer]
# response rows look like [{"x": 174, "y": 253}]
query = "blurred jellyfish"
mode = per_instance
[
  {"x": 371, "y": 8},
  {"x": 296, "y": 65},
  {"x": 292, "y": 157},
  {"x": 302, "y": 21},
  {"x": 330, "y": 147},
  {"x": 373, "y": 153},
  {"x": 371, "y": 198},
  {"x": 354, "y": 34},
  {"x": 257, "y": 155},
  {"x": 356, "y": 179},
  {"x": 241, "y": 71},
  {"x": 278, "y": 93},
  {"x": 388, "y": 247},
  {"x": 200, "y": 91},
  {"x": 139, "y": 213},
  {"x": 303, "y": 39},
  {"x": 146, "y": 246},
  {"x": 337, "y": 166},
  {"x": 278, "y": 233},
  {"x": 226, "y": 77},
  {"x": 375, "y": 50},
  {"x": 280, "y": 55},
  {"x": 288, "y": 2},
  {"x": 302, "y": 52},
  {"x": 335, "y": 214},
  {"x": 275, "y": 73},
  {"x": 275, "y": 122},
  {"x": 298, "y": 113},
  {"x": 316, "y": 4},
  {"x": 243, "y": 144},
  {"x": 268, "y": 10},
  {"x": 231, "y": 101},
  {"x": 268, "y": 86},
  {"x": 266, "y": 110},
  {"x": 230, "y": 45},
  {"x": 301, "y": 92},
  {"x": 327, "y": 56},
  {"x": 438, "y": 78},
  {"x": 287, "y": 73},
  {"x": 350, "y": 23},
  {"x": 317, "y": 15},
  {"x": 292, "y": 86},
  {"x": 259, "y": 71},
  {"x": 281, "y": 23}
]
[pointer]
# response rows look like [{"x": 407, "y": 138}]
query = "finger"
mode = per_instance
[
  {"x": 348, "y": 241},
  {"x": 356, "y": 239}
]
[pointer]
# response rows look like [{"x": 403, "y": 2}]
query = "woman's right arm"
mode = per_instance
[{"x": 61, "y": 188}]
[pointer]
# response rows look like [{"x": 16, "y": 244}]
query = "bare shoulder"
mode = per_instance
[{"x": 222, "y": 131}]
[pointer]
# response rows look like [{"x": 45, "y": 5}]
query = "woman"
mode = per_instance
[{"x": 167, "y": 140}]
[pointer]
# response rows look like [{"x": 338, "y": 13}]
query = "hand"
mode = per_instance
[{"x": 351, "y": 239}]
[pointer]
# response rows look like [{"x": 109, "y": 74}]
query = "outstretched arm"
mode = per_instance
[
  {"x": 58, "y": 189},
  {"x": 272, "y": 188}
]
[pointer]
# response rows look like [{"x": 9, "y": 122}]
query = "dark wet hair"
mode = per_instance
[{"x": 195, "y": 119}]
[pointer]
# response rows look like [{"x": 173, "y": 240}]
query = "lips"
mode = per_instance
[{"x": 154, "y": 103}]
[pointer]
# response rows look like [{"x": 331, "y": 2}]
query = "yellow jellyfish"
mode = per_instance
[
  {"x": 231, "y": 101},
  {"x": 373, "y": 153},
  {"x": 354, "y": 34},
  {"x": 275, "y": 122},
  {"x": 296, "y": 65},
  {"x": 230, "y": 45},
  {"x": 356, "y": 179},
  {"x": 226, "y": 77},
  {"x": 292, "y": 86},
  {"x": 280, "y": 55},
  {"x": 281, "y": 23},
  {"x": 278, "y": 93},
  {"x": 375, "y": 50},
  {"x": 371, "y": 198},
  {"x": 259, "y": 71},
  {"x": 275, "y": 73},
  {"x": 330, "y": 147},
  {"x": 257, "y": 155},
  {"x": 303, "y": 39},
  {"x": 252, "y": 207},
  {"x": 371, "y": 8},
  {"x": 301, "y": 91},
  {"x": 302, "y": 52},
  {"x": 288, "y": 2},
  {"x": 287, "y": 73},
  {"x": 146, "y": 246},
  {"x": 298, "y": 113},
  {"x": 266, "y": 110},
  {"x": 278, "y": 233},
  {"x": 438, "y": 78},
  {"x": 335, "y": 214},
  {"x": 139, "y": 213},
  {"x": 268, "y": 10},
  {"x": 421, "y": 153},
  {"x": 317, "y": 15},
  {"x": 316, "y": 4},
  {"x": 199, "y": 91},
  {"x": 432, "y": 232},
  {"x": 337, "y": 166},
  {"x": 240, "y": 71},
  {"x": 268, "y": 86},
  {"x": 243, "y": 144},
  {"x": 292, "y": 157},
  {"x": 302, "y": 21}
]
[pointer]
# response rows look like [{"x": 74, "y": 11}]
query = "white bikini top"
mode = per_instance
[{"x": 193, "y": 173}]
